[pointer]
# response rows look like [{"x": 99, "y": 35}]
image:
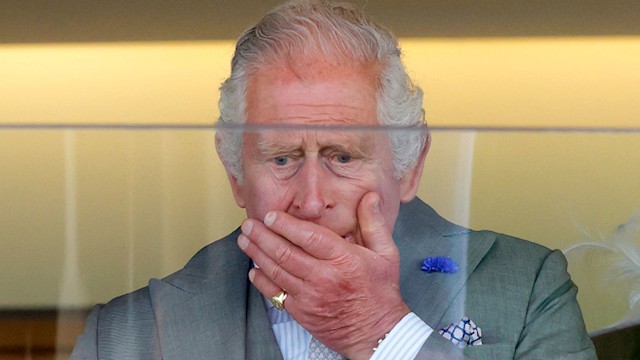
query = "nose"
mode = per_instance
[{"x": 313, "y": 193}]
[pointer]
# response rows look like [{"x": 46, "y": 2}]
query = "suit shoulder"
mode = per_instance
[
  {"x": 133, "y": 303},
  {"x": 514, "y": 245},
  {"x": 126, "y": 326},
  {"x": 127, "y": 312},
  {"x": 534, "y": 263}
]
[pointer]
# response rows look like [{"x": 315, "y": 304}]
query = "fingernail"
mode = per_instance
[
  {"x": 243, "y": 241},
  {"x": 252, "y": 274},
  {"x": 269, "y": 218},
  {"x": 246, "y": 227}
]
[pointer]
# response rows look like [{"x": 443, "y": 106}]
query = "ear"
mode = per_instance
[
  {"x": 237, "y": 190},
  {"x": 410, "y": 181},
  {"x": 236, "y": 187}
]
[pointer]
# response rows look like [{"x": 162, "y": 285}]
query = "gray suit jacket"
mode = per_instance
[{"x": 518, "y": 292}]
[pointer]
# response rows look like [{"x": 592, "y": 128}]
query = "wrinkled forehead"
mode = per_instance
[{"x": 331, "y": 95}]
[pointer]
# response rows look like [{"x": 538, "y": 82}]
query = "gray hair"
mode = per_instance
[{"x": 312, "y": 28}]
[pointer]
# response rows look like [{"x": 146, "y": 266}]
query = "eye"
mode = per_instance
[
  {"x": 343, "y": 158},
  {"x": 281, "y": 160}
]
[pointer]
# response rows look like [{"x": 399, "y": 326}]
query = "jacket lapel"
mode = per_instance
[
  {"x": 212, "y": 299},
  {"x": 422, "y": 233},
  {"x": 261, "y": 342}
]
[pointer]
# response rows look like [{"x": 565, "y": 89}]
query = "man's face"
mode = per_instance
[{"x": 317, "y": 175}]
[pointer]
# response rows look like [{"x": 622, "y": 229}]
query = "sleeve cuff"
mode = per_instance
[{"x": 404, "y": 340}]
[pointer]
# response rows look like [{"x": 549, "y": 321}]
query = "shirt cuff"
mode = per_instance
[{"x": 404, "y": 340}]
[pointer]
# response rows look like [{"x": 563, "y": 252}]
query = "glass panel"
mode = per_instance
[{"x": 88, "y": 214}]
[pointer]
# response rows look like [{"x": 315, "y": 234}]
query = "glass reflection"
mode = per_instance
[{"x": 90, "y": 213}]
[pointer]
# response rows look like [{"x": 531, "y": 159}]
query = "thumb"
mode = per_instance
[{"x": 373, "y": 227}]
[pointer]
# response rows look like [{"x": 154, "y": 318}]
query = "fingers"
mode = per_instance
[
  {"x": 265, "y": 285},
  {"x": 373, "y": 226},
  {"x": 281, "y": 261},
  {"x": 316, "y": 240}
]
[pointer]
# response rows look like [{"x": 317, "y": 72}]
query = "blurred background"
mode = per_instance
[{"x": 109, "y": 177}]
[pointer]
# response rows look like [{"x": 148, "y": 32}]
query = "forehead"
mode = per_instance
[{"x": 316, "y": 94}]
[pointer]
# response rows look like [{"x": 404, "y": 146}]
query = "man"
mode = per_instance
[{"x": 328, "y": 260}]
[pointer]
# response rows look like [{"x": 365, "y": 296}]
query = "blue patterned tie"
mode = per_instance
[{"x": 318, "y": 351}]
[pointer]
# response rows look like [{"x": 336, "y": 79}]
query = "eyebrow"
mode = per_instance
[
  {"x": 361, "y": 147},
  {"x": 355, "y": 150},
  {"x": 274, "y": 147}
]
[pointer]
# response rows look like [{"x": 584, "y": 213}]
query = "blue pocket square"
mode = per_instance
[{"x": 464, "y": 333}]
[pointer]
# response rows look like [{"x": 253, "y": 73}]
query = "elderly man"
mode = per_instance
[{"x": 328, "y": 262}]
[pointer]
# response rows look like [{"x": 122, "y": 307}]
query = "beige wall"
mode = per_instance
[
  {"x": 89, "y": 214},
  {"x": 489, "y": 82}
]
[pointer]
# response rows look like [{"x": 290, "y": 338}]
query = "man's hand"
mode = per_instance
[{"x": 346, "y": 295}]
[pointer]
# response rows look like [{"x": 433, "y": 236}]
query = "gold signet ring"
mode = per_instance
[{"x": 278, "y": 300}]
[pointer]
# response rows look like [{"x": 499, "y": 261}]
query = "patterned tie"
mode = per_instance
[{"x": 318, "y": 351}]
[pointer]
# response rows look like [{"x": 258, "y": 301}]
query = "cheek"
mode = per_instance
[
  {"x": 388, "y": 188},
  {"x": 390, "y": 210},
  {"x": 264, "y": 194}
]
